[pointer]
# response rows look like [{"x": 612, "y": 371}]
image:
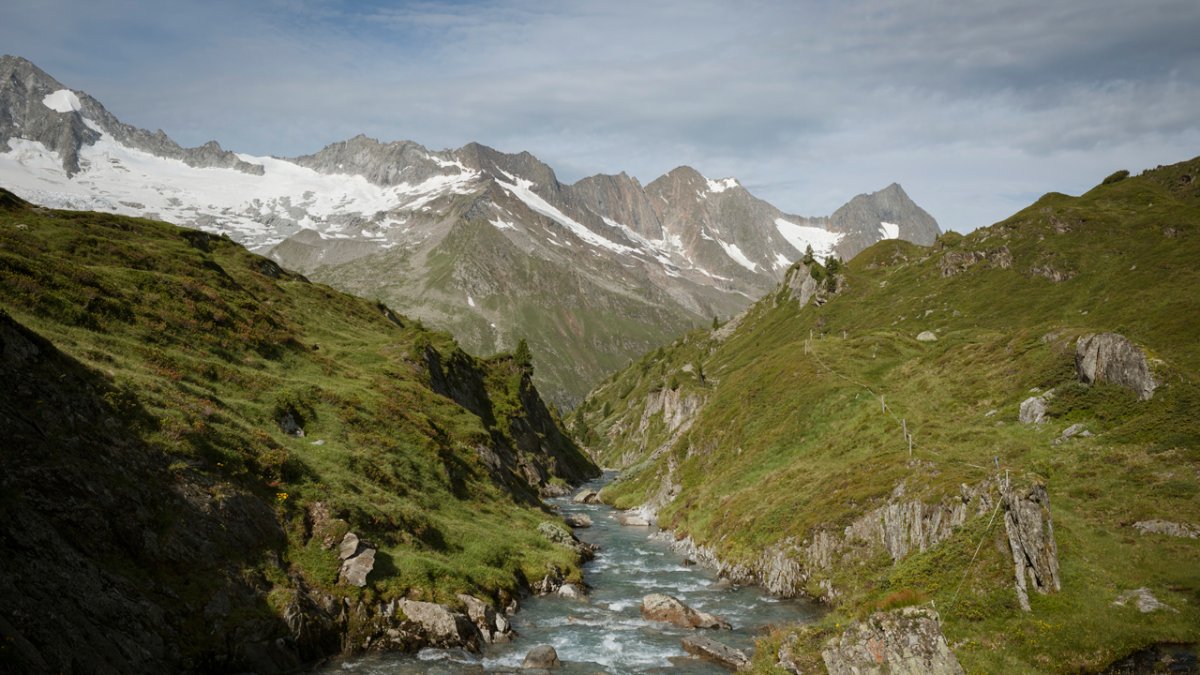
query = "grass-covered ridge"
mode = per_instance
[
  {"x": 194, "y": 351},
  {"x": 793, "y": 441}
]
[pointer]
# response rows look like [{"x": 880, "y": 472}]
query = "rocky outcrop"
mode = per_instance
[
  {"x": 666, "y": 608},
  {"x": 1171, "y": 529},
  {"x": 1110, "y": 357},
  {"x": 1031, "y": 541},
  {"x": 561, "y": 537},
  {"x": 441, "y": 626},
  {"x": 957, "y": 262},
  {"x": 493, "y": 627},
  {"x": 898, "y": 528},
  {"x": 1144, "y": 600},
  {"x": 712, "y": 650},
  {"x": 904, "y": 641}
]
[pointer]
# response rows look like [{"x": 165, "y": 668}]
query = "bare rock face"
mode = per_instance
[
  {"x": 1031, "y": 541},
  {"x": 660, "y": 607},
  {"x": 907, "y": 640},
  {"x": 956, "y": 262},
  {"x": 715, "y": 651},
  {"x": 1110, "y": 357}
]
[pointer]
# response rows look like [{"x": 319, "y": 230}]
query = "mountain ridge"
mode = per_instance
[{"x": 677, "y": 251}]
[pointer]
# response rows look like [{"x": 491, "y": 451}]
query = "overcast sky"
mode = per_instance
[{"x": 976, "y": 108}]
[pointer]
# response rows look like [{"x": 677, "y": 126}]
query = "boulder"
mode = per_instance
[
  {"x": 442, "y": 626},
  {"x": 578, "y": 520},
  {"x": 1144, "y": 600},
  {"x": 1110, "y": 357},
  {"x": 633, "y": 519},
  {"x": 358, "y": 559},
  {"x": 1071, "y": 432},
  {"x": 355, "y": 570},
  {"x": 587, "y": 497},
  {"x": 1031, "y": 541},
  {"x": 572, "y": 592},
  {"x": 543, "y": 657},
  {"x": 661, "y": 607},
  {"x": 1033, "y": 409},
  {"x": 562, "y": 537},
  {"x": 907, "y": 640},
  {"x": 349, "y": 546},
  {"x": 926, "y": 336},
  {"x": 717, "y": 652}
]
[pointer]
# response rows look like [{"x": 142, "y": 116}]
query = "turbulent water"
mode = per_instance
[{"x": 606, "y": 632}]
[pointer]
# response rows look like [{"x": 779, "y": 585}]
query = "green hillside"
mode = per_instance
[
  {"x": 160, "y": 509},
  {"x": 772, "y": 441}
]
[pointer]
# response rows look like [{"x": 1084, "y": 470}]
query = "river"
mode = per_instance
[{"x": 606, "y": 633}]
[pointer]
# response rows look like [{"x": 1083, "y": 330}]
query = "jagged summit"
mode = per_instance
[{"x": 485, "y": 243}]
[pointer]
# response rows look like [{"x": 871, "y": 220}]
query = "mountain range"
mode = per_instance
[{"x": 485, "y": 244}]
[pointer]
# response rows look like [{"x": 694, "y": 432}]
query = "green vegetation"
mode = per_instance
[
  {"x": 203, "y": 349},
  {"x": 792, "y": 438}
]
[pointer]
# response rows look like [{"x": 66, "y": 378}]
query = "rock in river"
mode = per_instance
[{"x": 660, "y": 607}]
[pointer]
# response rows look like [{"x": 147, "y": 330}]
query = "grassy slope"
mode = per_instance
[
  {"x": 213, "y": 342},
  {"x": 789, "y": 442}
]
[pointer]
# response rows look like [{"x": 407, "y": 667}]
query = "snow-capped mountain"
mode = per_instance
[{"x": 486, "y": 244}]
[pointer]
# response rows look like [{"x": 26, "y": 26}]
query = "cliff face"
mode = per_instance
[{"x": 211, "y": 464}]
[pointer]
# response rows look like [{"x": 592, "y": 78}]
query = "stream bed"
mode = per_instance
[{"x": 606, "y": 632}]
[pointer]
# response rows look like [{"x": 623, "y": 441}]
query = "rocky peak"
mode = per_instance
[
  {"x": 863, "y": 219},
  {"x": 37, "y": 107},
  {"x": 380, "y": 163},
  {"x": 509, "y": 168},
  {"x": 618, "y": 198}
]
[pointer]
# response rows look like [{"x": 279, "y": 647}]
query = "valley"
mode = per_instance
[{"x": 383, "y": 408}]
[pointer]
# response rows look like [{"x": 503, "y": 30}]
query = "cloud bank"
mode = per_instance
[{"x": 975, "y": 107}]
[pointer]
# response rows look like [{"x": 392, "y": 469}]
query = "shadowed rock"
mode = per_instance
[{"x": 717, "y": 652}]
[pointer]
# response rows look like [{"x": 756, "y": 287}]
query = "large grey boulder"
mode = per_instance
[
  {"x": 715, "y": 651},
  {"x": 661, "y": 607},
  {"x": 1110, "y": 357},
  {"x": 441, "y": 626},
  {"x": 587, "y": 497},
  {"x": 1031, "y": 541},
  {"x": 926, "y": 336},
  {"x": 1033, "y": 409},
  {"x": 541, "y": 657},
  {"x": 905, "y": 641},
  {"x": 358, "y": 559}
]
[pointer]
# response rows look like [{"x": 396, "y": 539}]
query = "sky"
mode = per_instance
[{"x": 975, "y": 108}]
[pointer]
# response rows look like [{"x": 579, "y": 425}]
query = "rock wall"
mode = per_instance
[{"x": 900, "y": 527}]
